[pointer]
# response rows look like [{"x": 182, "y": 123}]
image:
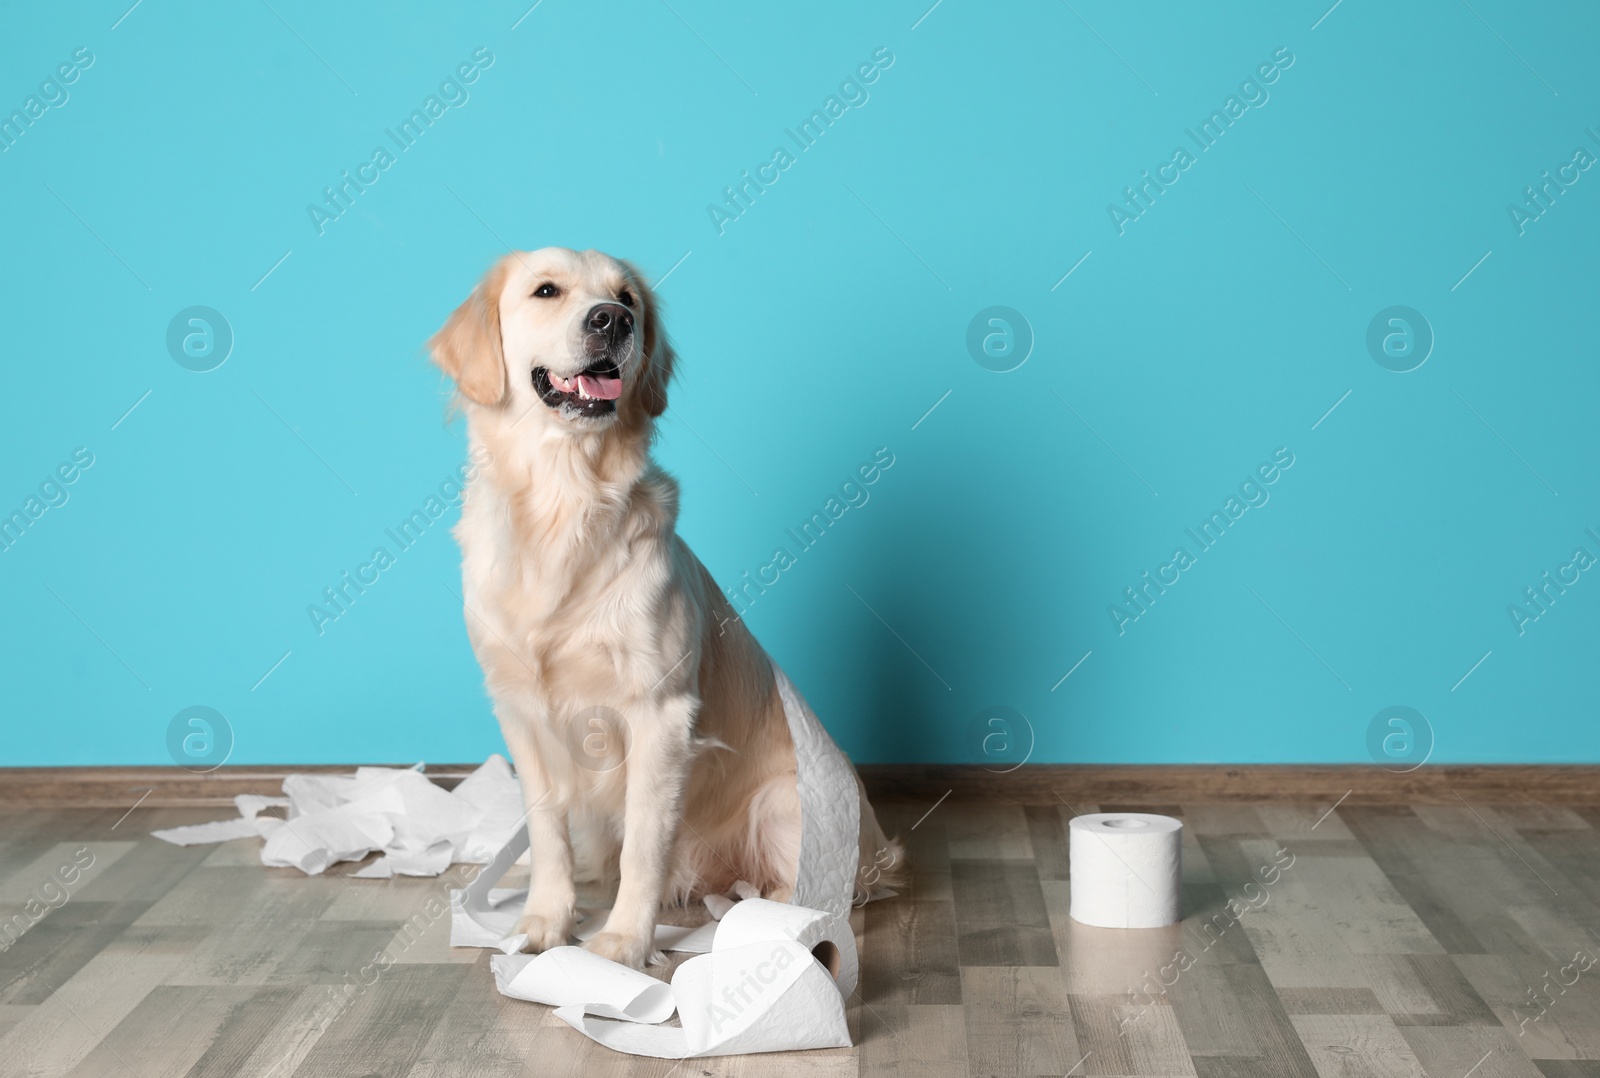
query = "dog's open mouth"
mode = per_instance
[{"x": 591, "y": 392}]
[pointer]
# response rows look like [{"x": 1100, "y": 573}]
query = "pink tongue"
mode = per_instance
[{"x": 601, "y": 387}]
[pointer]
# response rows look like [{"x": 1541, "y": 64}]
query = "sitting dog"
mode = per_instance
[{"x": 643, "y": 718}]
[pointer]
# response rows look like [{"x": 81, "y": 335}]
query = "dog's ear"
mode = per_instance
[
  {"x": 468, "y": 348},
  {"x": 656, "y": 364}
]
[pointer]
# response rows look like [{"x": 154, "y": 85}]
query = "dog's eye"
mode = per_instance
[
  {"x": 547, "y": 291},
  {"x": 625, "y": 298}
]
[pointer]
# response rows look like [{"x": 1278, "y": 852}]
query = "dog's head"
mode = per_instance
[{"x": 573, "y": 336}]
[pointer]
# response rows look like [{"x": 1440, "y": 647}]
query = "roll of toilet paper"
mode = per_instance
[{"x": 1127, "y": 869}]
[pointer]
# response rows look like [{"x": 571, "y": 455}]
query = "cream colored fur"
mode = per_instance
[{"x": 641, "y": 714}]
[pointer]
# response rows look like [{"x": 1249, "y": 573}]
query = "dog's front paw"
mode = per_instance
[
  {"x": 544, "y": 931},
  {"x": 629, "y": 950}
]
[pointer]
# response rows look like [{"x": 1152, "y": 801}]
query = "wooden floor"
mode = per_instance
[{"x": 1388, "y": 940}]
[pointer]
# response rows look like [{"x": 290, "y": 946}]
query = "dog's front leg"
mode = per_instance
[
  {"x": 658, "y": 769},
  {"x": 550, "y": 912},
  {"x": 551, "y": 909}
]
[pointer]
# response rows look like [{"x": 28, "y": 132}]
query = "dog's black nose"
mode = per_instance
[{"x": 612, "y": 319}]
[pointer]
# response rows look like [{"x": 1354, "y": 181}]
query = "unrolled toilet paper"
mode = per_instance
[
  {"x": 776, "y": 975},
  {"x": 1127, "y": 869},
  {"x": 483, "y": 915},
  {"x": 775, "y": 981},
  {"x": 568, "y": 975},
  {"x": 830, "y": 810}
]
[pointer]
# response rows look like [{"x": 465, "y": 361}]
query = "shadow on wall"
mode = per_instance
[{"x": 919, "y": 662}]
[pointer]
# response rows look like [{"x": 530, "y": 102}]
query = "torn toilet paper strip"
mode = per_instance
[
  {"x": 245, "y": 826},
  {"x": 830, "y": 823},
  {"x": 482, "y": 915},
  {"x": 563, "y": 974},
  {"x": 768, "y": 985}
]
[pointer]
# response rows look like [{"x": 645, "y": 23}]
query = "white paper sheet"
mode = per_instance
[
  {"x": 762, "y": 988},
  {"x": 482, "y": 915},
  {"x": 246, "y": 825},
  {"x": 429, "y": 862},
  {"x": 420, "y": 827},
  {"x": 718, "y": 905},
  {"x": 214, "y": 831},
  {"x": 830, "y": 822},
  {"x": 563, "y": 974},
  {"x": 497, "y": 796}
]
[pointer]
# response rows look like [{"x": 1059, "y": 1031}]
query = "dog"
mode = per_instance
[{"x": 643, "y": 718}]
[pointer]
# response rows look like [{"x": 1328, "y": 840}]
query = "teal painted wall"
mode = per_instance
[{"x": 1176, "y": 339}]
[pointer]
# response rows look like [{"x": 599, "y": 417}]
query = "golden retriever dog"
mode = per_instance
[{"x": 643, "y": 718}]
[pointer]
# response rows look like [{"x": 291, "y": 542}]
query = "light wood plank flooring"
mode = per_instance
[{"x": 1374, "y": 940}]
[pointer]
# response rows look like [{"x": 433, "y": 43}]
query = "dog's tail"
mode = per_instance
[{"x": 882, "y": 869}]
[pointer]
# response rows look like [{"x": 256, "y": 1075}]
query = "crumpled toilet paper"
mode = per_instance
[
  {"x": 420, "y": 827},
  {"x": 774, "y": 981}
]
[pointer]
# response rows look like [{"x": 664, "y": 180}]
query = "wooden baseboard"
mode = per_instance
[
  {"x": 1073, "y": 784},
  {"x": 166, "y": 787},
  {"x": 1129, "y": 784}
]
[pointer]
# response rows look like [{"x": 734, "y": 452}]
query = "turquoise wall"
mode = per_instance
[{"x": 1196, "y": 223}]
